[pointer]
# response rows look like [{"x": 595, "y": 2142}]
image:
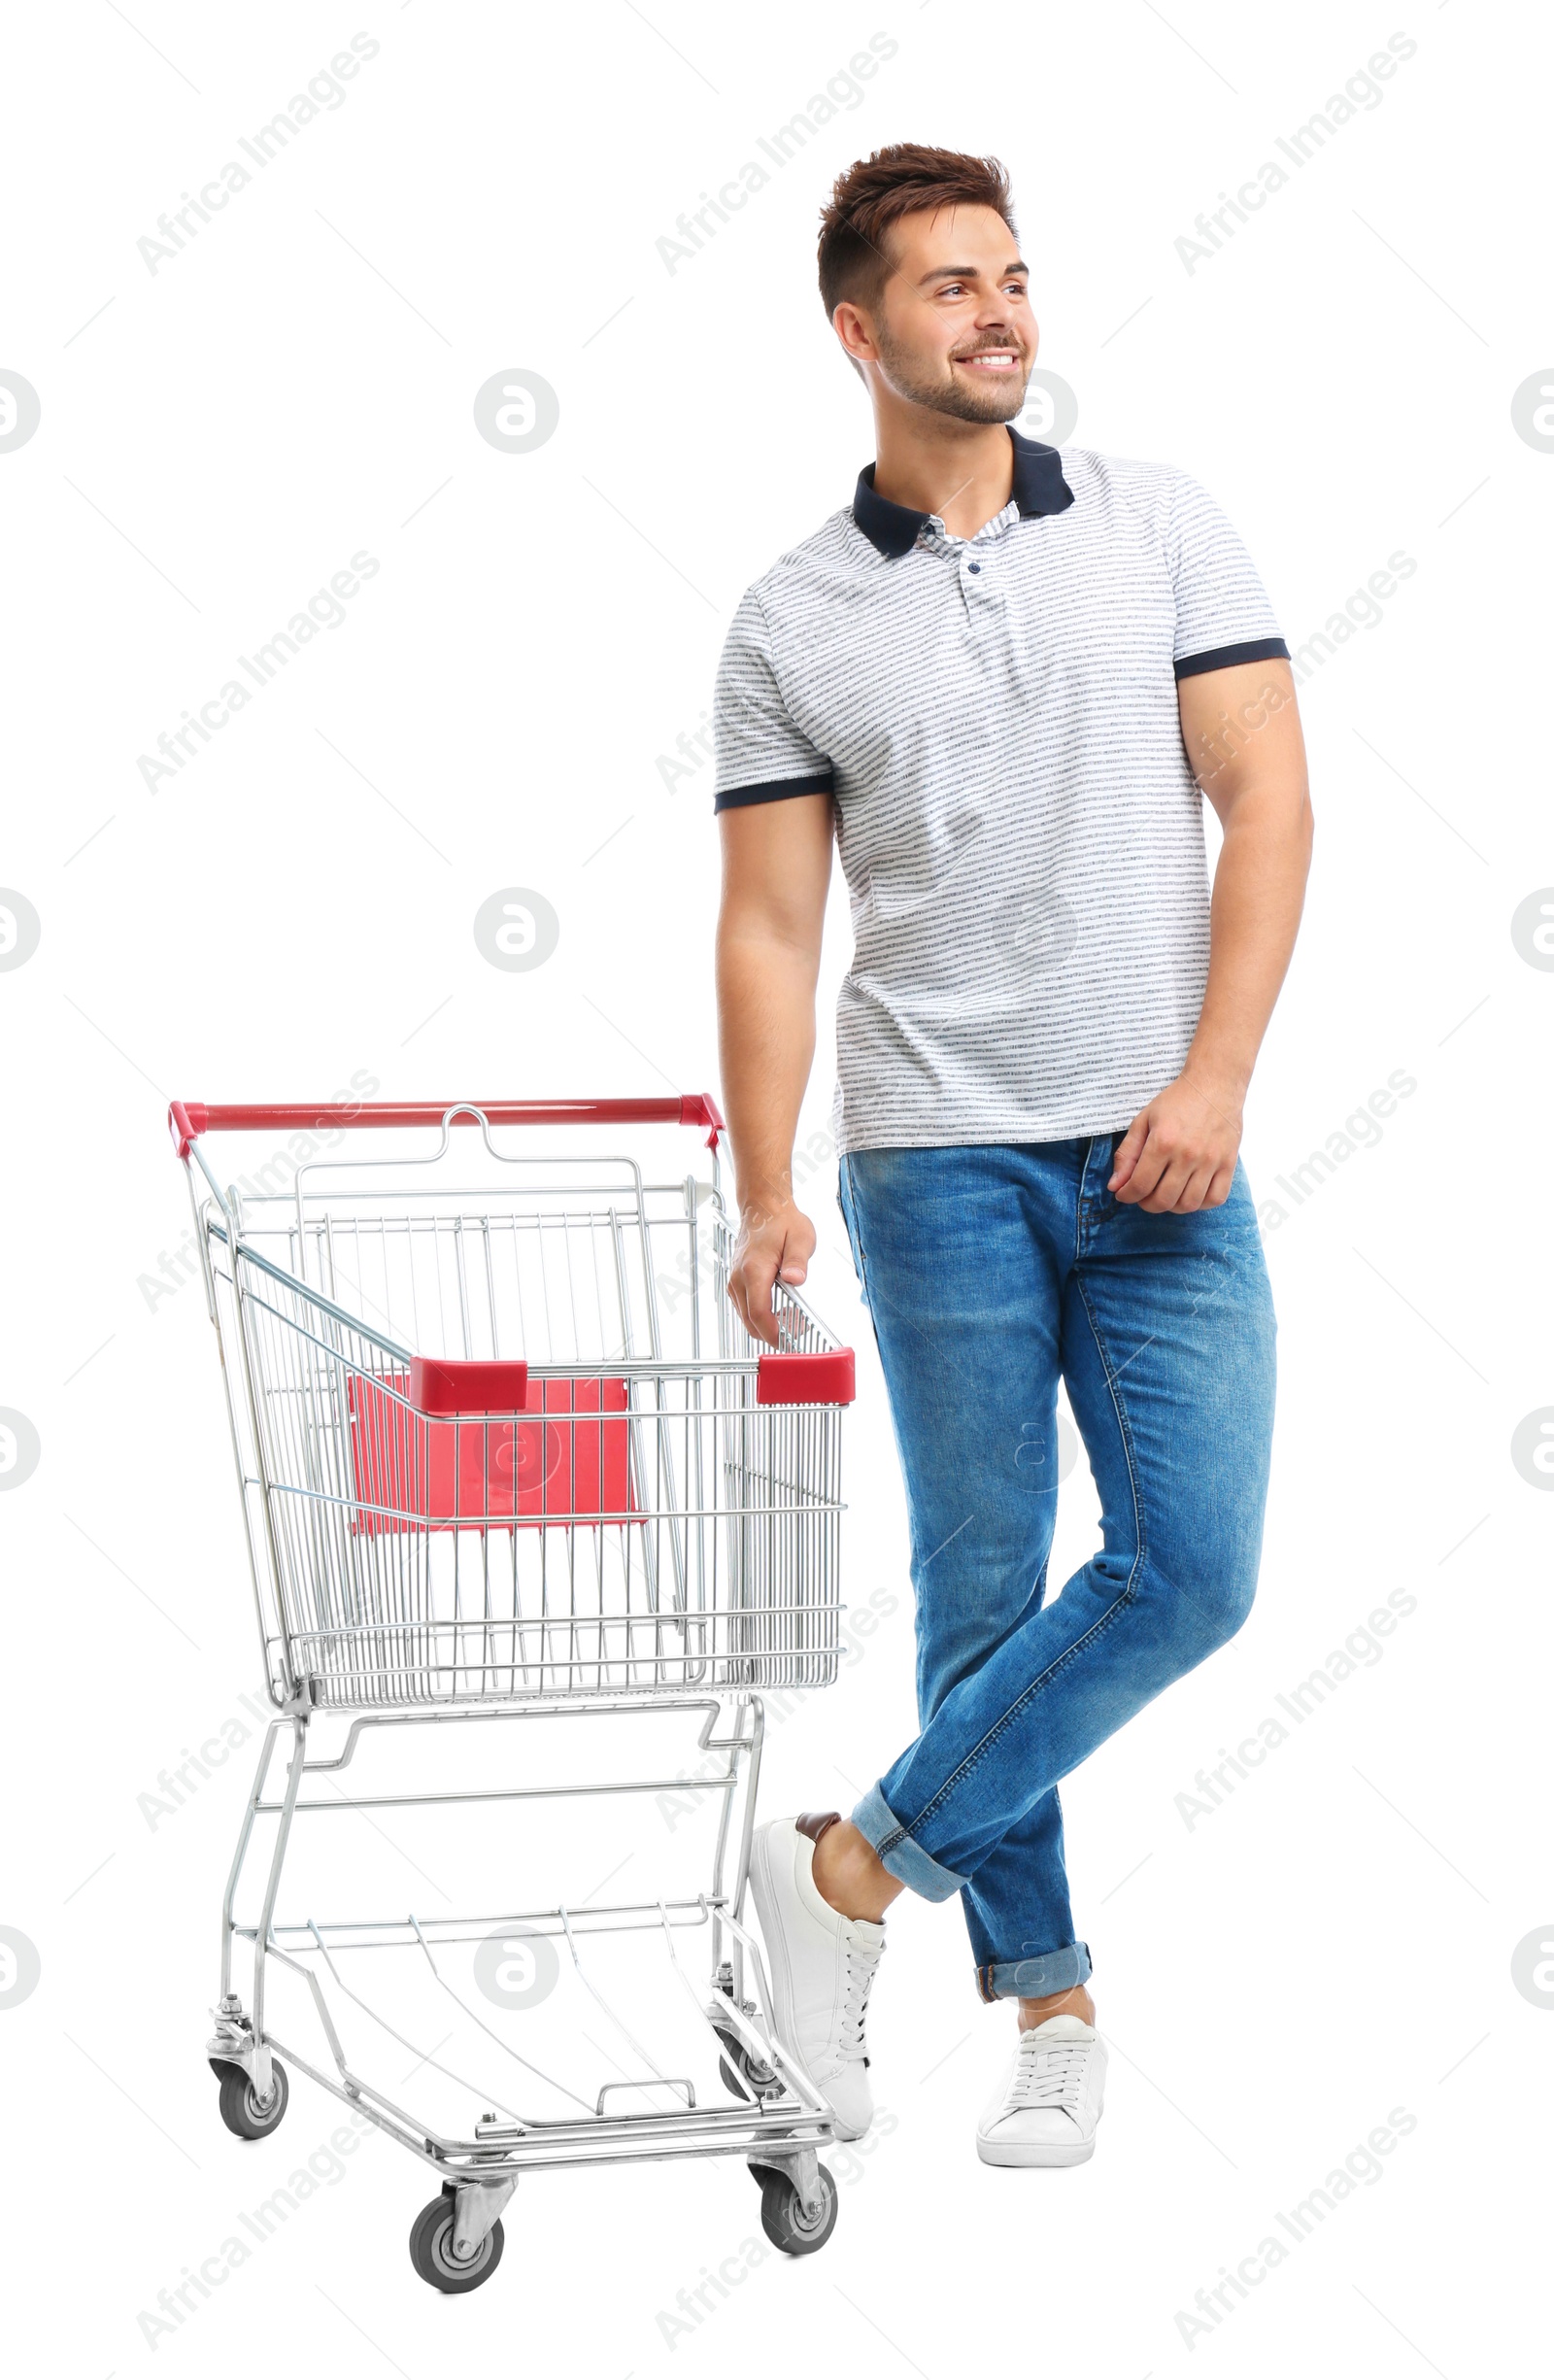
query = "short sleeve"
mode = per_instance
[
  {"x": 1223, "y": 615},
  {"x": 761, "y": 754}
]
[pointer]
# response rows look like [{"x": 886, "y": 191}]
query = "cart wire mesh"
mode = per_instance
[{"x": 639, "y": 1518}]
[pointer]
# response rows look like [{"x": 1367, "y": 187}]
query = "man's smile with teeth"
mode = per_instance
[{"x": 990, "y": 360}]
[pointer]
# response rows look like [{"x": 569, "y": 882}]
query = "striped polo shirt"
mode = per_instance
[{"x": 996, "y": 719}]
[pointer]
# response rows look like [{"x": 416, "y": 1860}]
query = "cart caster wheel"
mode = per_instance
[
  {"x": 243, "y": 2111},
  {"x": 431, "y": 2250},
  {"x": 739, "y": 2060},
  {"x": 783, "y": 2216},
  {"x": 741, "y": 2075}
]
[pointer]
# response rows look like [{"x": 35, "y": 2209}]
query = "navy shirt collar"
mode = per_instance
[{"x": 1039, "y": 487}]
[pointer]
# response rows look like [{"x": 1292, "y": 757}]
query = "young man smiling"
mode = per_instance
[{"x": 1001, "y": 681}]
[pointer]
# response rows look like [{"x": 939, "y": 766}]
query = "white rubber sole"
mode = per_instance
[
  {"x": 1033, "y": 2152},
  {"x": 773, "y": 1936},
  {"x": 765, "y": 1892}
]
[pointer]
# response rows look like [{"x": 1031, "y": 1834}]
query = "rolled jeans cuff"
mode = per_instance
[
  {"x": 1036, "y": 1979},
  {"x": 896, "y": 1850}
]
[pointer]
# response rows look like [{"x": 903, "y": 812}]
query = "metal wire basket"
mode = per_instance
[{"x": 513, "y": 1443}]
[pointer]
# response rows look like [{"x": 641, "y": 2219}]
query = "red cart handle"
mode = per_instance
[{"x": 188, "y": 1119}]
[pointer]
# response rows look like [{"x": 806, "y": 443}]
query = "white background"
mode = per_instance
[{"x": 295, "y": 906}]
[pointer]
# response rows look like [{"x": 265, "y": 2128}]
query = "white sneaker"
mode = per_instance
[
  {"x": 821, "y": 1966},
  {"x": 1048, "y": 2109}
]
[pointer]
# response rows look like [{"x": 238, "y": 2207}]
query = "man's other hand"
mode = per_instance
[{"x": 1179, "y": 1154}]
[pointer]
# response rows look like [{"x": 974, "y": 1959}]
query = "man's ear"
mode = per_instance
[
  {"x": 847, "y": 322},
  {"x": 857, "y": 321}
]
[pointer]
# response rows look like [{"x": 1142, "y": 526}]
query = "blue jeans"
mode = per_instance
[{"x": 991, "y": 1272}]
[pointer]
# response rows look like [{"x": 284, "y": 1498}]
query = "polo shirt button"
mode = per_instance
[{"x": 973, "y": 567}]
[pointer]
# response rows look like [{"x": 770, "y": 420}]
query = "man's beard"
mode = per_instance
[{"x": 959, "y": 397}]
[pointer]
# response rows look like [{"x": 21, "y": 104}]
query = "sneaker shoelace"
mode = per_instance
[
  {"x": 1047, "y": 2074},
  {"x": 863, "y": 1966}
]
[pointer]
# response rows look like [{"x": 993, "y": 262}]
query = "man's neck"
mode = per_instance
[{"x": 932, "y": 462}]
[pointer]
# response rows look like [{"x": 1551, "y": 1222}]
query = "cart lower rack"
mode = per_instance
[{"x": 506, "y": 1454}]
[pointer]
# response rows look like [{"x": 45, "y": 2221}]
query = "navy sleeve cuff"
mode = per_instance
[
  {"x": 1226, "y": 656},
  {"x": 774, "y": 789}
]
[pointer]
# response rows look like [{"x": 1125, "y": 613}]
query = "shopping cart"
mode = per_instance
[{"x": 505, "y": 1453}]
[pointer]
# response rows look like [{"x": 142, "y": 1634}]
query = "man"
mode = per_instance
[{"x": 1002, "y": 680}]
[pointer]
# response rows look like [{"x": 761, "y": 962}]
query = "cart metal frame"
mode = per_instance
[{"x": 389, "y": 1501}]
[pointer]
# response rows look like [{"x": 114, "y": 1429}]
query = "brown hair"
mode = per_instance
[{"x": 855, "y": 260}]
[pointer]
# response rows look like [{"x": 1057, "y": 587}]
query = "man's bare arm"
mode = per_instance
[
  {"x": 776, "y": 870},
  {"x": 1242, "y": 736}
]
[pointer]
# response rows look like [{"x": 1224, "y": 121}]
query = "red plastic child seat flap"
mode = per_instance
[{"x": 570, "y": 1463}]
